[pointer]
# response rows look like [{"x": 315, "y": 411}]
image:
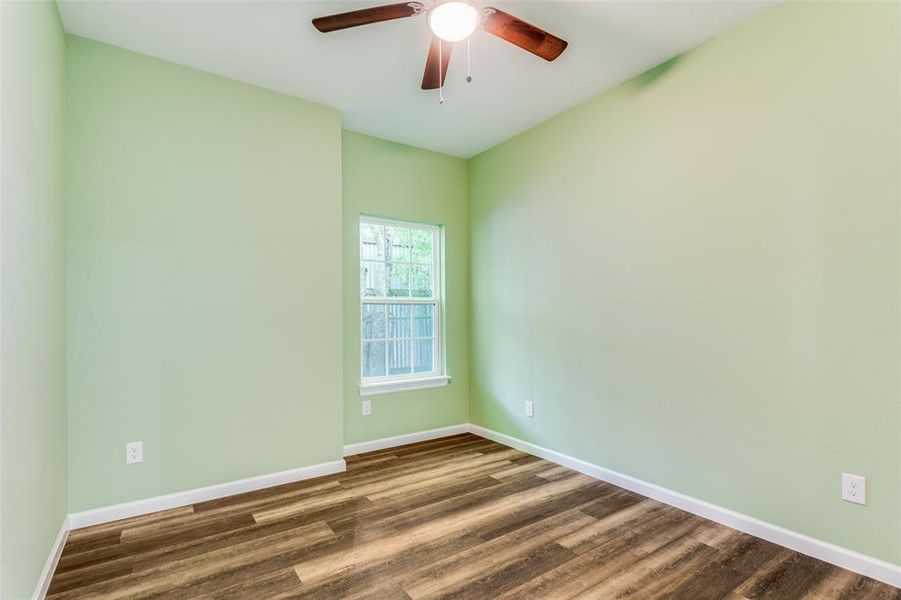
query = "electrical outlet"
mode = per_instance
[
  {"x": 854, "y": 488},
  {"x": 367, "y": 408},
  {"x": 530, "y": 408},
  {"x": 134, "y": 452}
]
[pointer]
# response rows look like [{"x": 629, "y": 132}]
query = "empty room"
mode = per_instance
[{"x": 470, "y": 299}]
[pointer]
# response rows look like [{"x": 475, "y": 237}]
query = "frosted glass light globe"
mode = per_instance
[{"x": 454, "y": 20}]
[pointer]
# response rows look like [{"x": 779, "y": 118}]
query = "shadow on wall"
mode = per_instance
[{"x": 654, "y": 74}]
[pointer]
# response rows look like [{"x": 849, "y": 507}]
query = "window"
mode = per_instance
[{"x": 400, "y": 306}]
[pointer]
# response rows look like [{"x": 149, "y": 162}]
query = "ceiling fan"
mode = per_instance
[{"x": 451, "y": 21}]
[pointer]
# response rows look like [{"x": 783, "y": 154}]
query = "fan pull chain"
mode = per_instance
[
  {"x": 440, "y": 73},
  {"x": 468, "y": 70}
]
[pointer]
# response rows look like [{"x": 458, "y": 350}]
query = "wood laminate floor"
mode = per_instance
[{"x": 460, "y": 517}]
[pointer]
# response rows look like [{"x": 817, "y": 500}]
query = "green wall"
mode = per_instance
[
  {"x": 400, "y": 182},
  {"x": 33, "y": 298},
  {"x": 204, "y": 308},
  {"x": 695, "y": 276}
]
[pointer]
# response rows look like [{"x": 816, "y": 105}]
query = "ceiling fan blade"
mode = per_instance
[
  {"x": 525, "y": 35},
  {"x": 376, "y": 14},
  {"x": 430, "y": 79}
]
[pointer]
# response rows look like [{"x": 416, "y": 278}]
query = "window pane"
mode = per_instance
[
  {"x": 421, "y": 281},
  {"x": 398, "y": 239},
  {"x": 399, "y": 359},
  {"x": 423, "y": 249},
  {"x": 373, "y": 321},
  {"x": 372, "y": 278},
  {"x": 399, "y": 338},
  {"x": 423, "y": 358},
  {"x": 424, "y": 320},
  {"x": 372, "y": 241},
  {"x": 374, "y": 359},
  {"x": 399, "y": 321},
  {"x": 398, "y": 280}
]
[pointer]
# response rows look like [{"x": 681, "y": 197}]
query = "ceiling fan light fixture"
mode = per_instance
[{"x": 453, "y": 20}]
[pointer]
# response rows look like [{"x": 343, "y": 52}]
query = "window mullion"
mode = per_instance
[{"x": 397, "y": 300}]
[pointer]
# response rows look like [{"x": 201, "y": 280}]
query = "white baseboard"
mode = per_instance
[
  {"x": 40, "y": 590},
  {"x": 408, "y": 438},
  {"x": 149, "y": 505},
  {"x": 848, "y": 559}
]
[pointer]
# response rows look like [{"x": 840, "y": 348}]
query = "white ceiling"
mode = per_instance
[{"x": 372, "y": 73}]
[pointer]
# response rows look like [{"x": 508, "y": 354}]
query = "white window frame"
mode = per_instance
[{"x": 394, "y": 383}]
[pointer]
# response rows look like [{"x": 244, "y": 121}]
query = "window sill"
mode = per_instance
[{"x": 403, "y": 385}]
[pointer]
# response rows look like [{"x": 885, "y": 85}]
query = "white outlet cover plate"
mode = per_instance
[
  {"x": 367, "y": 408},
  {"x": 530, "y": 408},
  {"x": 134, "y": 452},
  {"x": 854, "y": 488}
]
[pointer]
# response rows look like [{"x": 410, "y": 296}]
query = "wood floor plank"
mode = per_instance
[
  {"x": 615, "y": 555},
  {"x": 554, "y": 473},
  {"x": 117, "y": 526},
  {"x": 365, "y": 582},
  {"x": 611, "y": 499},
  {"x": 456, "y": 517},
  {"x": 541, "y": 508},
  {"x": 511, "y": 574},
  {"x": 403, "y": 489},
  {"x": 846, "y": 585},
  {"x": 386, "y": 519},
  {"x": 169, "y": 542},
  {"x": 77, "y": 547},
  {"x": 791, "y": 579},
  {"x": 383, "y": 550},
  {"x": 269, "y": 585},
  {"x": 635, "y": 521},
  {"x": 147, "y": 553},
  {"x": 414, "y": 464},
  {"x": 181, "y": 572},
  {"x": 460, "y": 569},
  {"x": 522, "y": 467},
  {"x": 658, "y": 574},
  {"x": 732, "y": 566},
  {"x": 389, "y": 486},
  {"x": 262, "y": 499},
  {"x": 432, "y": 467}
]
